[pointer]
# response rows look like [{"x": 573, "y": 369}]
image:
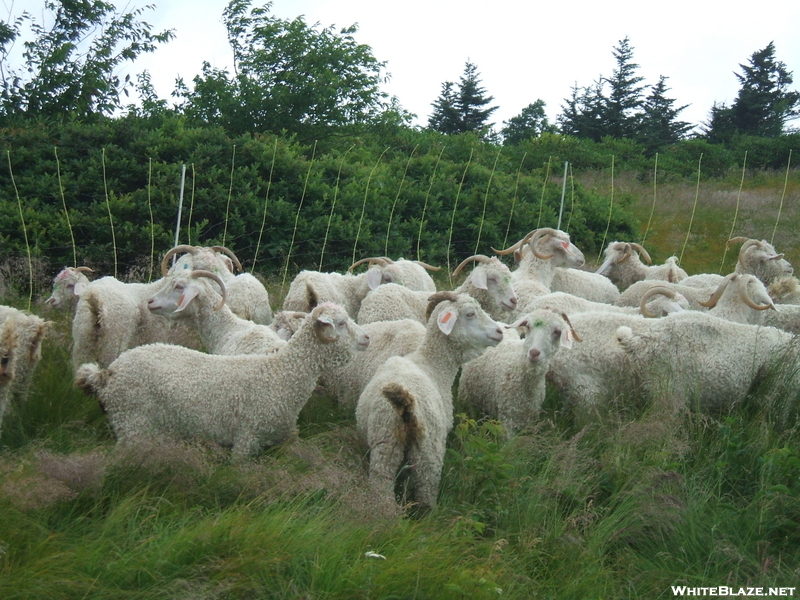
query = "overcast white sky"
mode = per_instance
[{"x": 523, "y": 50}]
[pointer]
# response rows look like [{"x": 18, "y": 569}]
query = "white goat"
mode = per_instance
[
  {"x": 584, "y": 284},
  {"x": 21, "y": 336},
  {"x": 386, "y": 339},
  {"x": 68, "y": 286},
  {"x": 696, "y": 359},
  {"x": 533, "y": 277},
  {"x": 112, "y": 316},
  {"x": 411, "y": 273},
  {"x": 406, "y": 410},
  {"x": 189, "y": 296},
  {"x": 507, "y": 382},
  {"x": 311, "y": 288},
  {"x": 667, "y": 301},
  {"x": 489, "y": 283},
  {"x": 756, "y": 257},
  {"x": 624, "y": 267},
  {"x": 246, "y": 401},
  {"x": 247, "y": 296}
]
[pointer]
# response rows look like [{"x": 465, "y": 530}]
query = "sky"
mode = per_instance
[{"x": 523, "y": 51}]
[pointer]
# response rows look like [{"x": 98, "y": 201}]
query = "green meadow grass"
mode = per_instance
[{"x": 625, "y": 507}]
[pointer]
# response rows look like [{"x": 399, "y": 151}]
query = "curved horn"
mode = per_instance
[
  {"x": 371, "y": 260},
  {"x": 654, "y": 291},
  {"x": 540, "y": 233},
  {"x": 230, "y": 253},
  {"x": 574, "y": 333},
  {"x": 516, "y": 246},
  {"x": 437, "y": 297},
  {"x": 427, "y": 266},
  {"x": 745, "y": 296},
  {"x": 747, "y": 245},
  {"x": 643, "y": 252},
  {"x": 210, "y": 275},
  {"x": 182, "y": 249},
  {"x": 737, "y": 240},
  {"x": 626, "y": 254},
  {"x": 479, "y": 257},
  {"x": 84, "y": 270},
  {"x": 712, "y": 301}
]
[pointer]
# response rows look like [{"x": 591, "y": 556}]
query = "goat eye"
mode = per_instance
[
  {"x": 70, "y": 285},
  {"x": 556, "y": 332}
]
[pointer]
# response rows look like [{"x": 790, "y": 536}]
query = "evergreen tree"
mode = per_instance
[
  {"x": 445, "y": 117},
  {"x": 764, "y": 103},
  {"x": 531, "y": 122},
  {"x": 660, "y": 125},
  {"x": 583, "y": 114},
  {"x": 622, "y": 112},
  {"x": 463, "y": 110}
]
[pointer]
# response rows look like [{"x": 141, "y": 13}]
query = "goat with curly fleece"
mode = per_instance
[
  {"x": 190, "y": 297},
  {"x": 507, "y": 382},
  {"x": 68, "y": 286},
  {"x": 406, "y": 410},
  {"x": 21, "y": 336},
  {"x": 247, "y": 296},
  {"x": 489, "y": 283},
  {"x": 245, "y": 401},
  {"x": 624, "y": 267}
]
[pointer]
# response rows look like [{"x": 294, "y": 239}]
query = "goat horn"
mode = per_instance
[
  {"x": 745, "y": 296},
  {"x": 516, "y": 246},
  {"x": 230, "y": 253},
  {"x": 210, "y": 275},
  {"x": 540, "y": 233},
  {"x": 649, "y": 293},
  {"x": 427, "y": 266},
  {"x": 437, "y": 297},
  {"x": 574, "y": 333},
  {"x": 643, "y": 252},
  {"x": 479, "y": 257},
  {"x": 84, "y": 270},
  {"x": 717, "y": 294},
  {"x": 182, "y": 249},
  {"x": 372, "y": 260},
  {"x": 625, "y": 255},
  {"x": 736, "y": 240}
]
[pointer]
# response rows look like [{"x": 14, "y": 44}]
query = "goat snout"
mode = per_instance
[{"x": 534, "y": 354}]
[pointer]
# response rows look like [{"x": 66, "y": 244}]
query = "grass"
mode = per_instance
[{"x": 622, "y": 508}]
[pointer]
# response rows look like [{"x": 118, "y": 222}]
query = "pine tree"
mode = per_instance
[
  {"x": 463, "y": 110},
  {"x": 583, "y": 115},
  {"x": 764, "y": 103},
  {"x": 659, "y": 123},
  {"x": 622, "y": 114},
  {"x": 445, "y": 117}
]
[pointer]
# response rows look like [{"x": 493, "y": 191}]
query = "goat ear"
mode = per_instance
[
  {"x": 189, "y": 293},
  {"x": 374, "y": 278},
  {"x": 326, "y": 330},
  {"x": 521, "y": 325},
  {"x": 566, "y": 338},
  {"x": 78, "y": 288},
  {"x": 447, "y": 320},
  {"x": 479, "y": 279}
]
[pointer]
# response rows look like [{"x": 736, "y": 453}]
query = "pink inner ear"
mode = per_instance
[{"x": 565, "y": 245}]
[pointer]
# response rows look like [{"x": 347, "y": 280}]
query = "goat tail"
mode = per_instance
[
  {"x": 91, "y": 379},
  {"x": 403, "y": 403}
]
